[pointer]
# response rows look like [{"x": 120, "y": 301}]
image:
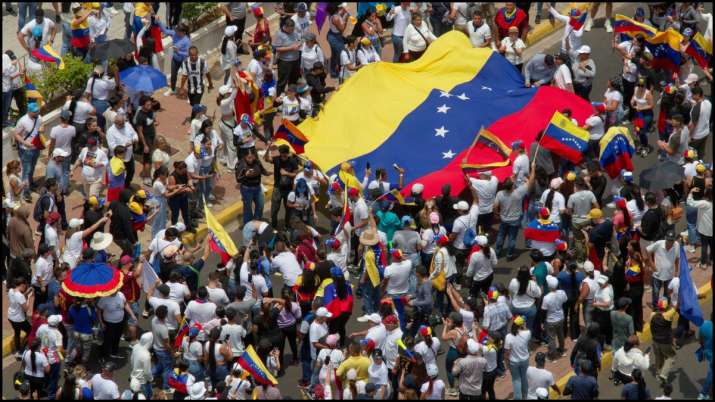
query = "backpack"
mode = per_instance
[{"x": 38, "y": 211}]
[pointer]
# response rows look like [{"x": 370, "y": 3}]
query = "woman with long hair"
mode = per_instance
[
  {"x": 80, "y": 110},
  {"x": 348, "y": 61},
  {"x": 13, "y": 170},
  {"x": 262, "y": 33},
  {"x": 371, "y": 27},
  {"x": 613, "y": 100},
  {"x": 229, "y": 51},
  {"x": 634, "y": 272},
  {"x": 288, "y": 318},
  {"x": 636, "y": 390},
  {"x": 217, "y": 354},
  {"x": 452, "y": 332},
  {"x": 516, "y": 353},
  {"x": 524, "y": 291},
  {"x": 305, "y": 287},
  {"x": 193, "y": 352},
  {"x": 161, "y": 195},
  {"x": 434, "y": 388},
  {"x": 587, "y": 348},
  {"x": 179, "y": 186},
  {"x": 344, "y": 297},
  {"x": 642, "y": 102},
  {"x": 480, "y": 271},
  {"x": 37, "y": 368}
]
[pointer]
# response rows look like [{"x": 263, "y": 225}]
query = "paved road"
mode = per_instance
[{"x": 608, "y": 65}]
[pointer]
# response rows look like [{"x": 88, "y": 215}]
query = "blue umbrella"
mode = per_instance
[{"x": 143, "y": 78}]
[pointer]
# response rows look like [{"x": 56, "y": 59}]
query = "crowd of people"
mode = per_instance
[{"x": 424, "y": 271}]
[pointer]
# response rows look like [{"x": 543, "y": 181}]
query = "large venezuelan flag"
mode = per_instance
[
  {"x": 429, "y": 113},
  {"x": 665, "y": 47}
]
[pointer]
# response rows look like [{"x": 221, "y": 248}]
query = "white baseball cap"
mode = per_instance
[
  {"x": 461, "y": 206},
  {"x": 552, "y": 282},
  {"x": 691, "y": 78},
  {"x": 482, "y": 240},
  {"x": 75, "y": 223},
  {"x": 323, "y": 312},
  {"x": 224, "y": 89},
  {"x": 588, "y": 266},
  {"x": 417, "y": 188},
  {"x": 374, "y": 317},
  {"x": 60, "y": 152},
  {"x": 472, "y": 346},
  {"x": 585, "y": 49}
]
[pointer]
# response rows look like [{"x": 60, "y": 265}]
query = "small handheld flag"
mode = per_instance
[{"x": 565, "y": 138}]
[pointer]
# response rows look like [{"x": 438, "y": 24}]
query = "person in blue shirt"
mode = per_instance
[
  {"x": 181, "y": 42},
  {"x": 82, "y": 315},
  {"x": 582, "y": 387},
  {"x": 570, "y": 282}
]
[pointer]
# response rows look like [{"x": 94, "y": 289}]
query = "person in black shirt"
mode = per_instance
[
  {"x": 144, "y": 124},
  {"x": 316, "y": 80},
  {"x": 93, "y": 212},
  {"x": 121, "y": 226},
  {"x": 600, "y": 234},
  {"x": 597, "y": 181},
  {"x": 285, "y": 168},
  {"x": 248, "y": 174},
  {"x": 444, "y": 204}
]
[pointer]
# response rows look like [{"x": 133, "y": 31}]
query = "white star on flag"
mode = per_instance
[
  {"x": 486, "y": 88},
  {"x": 440, "y": 132},
  {"x": 448, "y": 155},
  {"x": 463, "y": 97},
  {"x": 443, "y": 109},
  {"x": 443, "y": 94}
]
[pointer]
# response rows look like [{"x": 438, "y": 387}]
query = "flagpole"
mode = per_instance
[{"x": 474, "y": 142}]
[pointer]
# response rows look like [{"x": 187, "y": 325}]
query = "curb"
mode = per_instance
[
  {"x": 545, "y": 28},
  {"x": 705, "y": 291}
]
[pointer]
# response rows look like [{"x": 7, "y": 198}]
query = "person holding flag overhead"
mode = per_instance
[{"x": 573, "y": 30}]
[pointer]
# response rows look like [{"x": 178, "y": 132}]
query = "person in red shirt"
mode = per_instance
[
  {"x": 131, "y": 290},
  {"x": 511, "y": 16},
  {"x": 39, "y": 317}
]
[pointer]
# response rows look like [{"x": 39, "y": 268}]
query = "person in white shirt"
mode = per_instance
[
  {"x": 512, "y": 47},
  {"x": 397, "y": 274},
  {"x": 310, "y": 53},
  {"x": 665, "y": 256},
  {"x": 479, "y": 32},
  {"x": 402, "y": 16},
  {"x": 287, "y": 263},
  {"x": 596, "y": 127},
  {"x": 486, "y": 188},
  {"x": 229, "y": 51},
  {"x": 377, "y": 333},
  {"x": 173, "y": 317},
  {"x": 201, "y": 310},
  {"x": 481, "y": 267},
  {"x": 459, "y": 15},
  {"x": 434, "y": 388},
  {"x": 302, "y": 19},
  {"x": 539, "y": 377},
  {"x": 467, "y": 220},
  {"x": 121, "y": 133},
  {"x": 521, "y": 168},
  {"x": 699, "y": 121},
  {"x": 416, "y": 38},
  {"x": 348, "y": 59},
  {"x": 428, "y": 347},
  {"x": 366, "y": 52},
  {"x": 562, "y": 76},
  {"x": 111, "y": 311},
  {"x": 554, "y": 200},
  {"x": 553, "y": 304},
  {"x": 46, "y": 28},
  {"x": 103, "y": 385},
  {"x": 571, "y": 40},
  {"x": 94, "y": 162},
  {"x": 318, "y": 329},
  {"x": 43, "y": 273},
  {"x": 628, "y": 358},
  {"x": 516, "y": 353}
]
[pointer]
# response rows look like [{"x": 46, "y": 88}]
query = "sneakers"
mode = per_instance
[
  {"x": 589, "y": 24},
  {"x": 690, "y": 249},
  {"x": 702, "y": 397},
  {"x": 608, "y": 26},
  {"x": 170, "y": 92}
]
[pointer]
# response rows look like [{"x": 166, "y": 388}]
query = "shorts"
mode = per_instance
[
  {"x": 146, "y": 157},
  {"x": 134, "y": 306}
]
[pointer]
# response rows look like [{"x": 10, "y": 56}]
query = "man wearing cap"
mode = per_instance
[
  {"x": 56, "y": 169},
  {"x": 467, "y": 220},
  {"x": 584, "y": 69},
  {"x": 94, "y": 162},
  {"x": 600, "y": 234},
  {"x": 665, "y": 256},
  {"x": 486, "y": 188},
  {"x": 51, "y": 343},
  {"x": 27, "y": 132},
  {"x": 318, "y": 330},
  {"x": 302, "y": 18},
  {"x": 470, "y": 370},
  {"x": 699, "y": 124},
  {"x": 376, "y": 332},
  {"x": 553, "y": 305},
  {"x": 661, "y": 325}
]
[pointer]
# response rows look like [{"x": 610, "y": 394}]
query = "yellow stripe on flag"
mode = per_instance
[
  {"x": 219, "y": 232},
  {"x": 371, "y": 267}
]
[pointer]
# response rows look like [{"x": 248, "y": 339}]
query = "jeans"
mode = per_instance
[
  {"x": 656, "y": 285},
  {"x": 647, "y": 116},
  {"x": 706, "y": 249},
  {"x": 518, "y": 378},
  {"x": 336, "y": 47},
  {"x": 160, "y": 219},
  {"x": 147, "y": 390},
  {"x": 218, "y": 374},
  {"x": 252, "y": 197},
  {"x": 25, "y": 9},
  {"x": 6, "y": 101},
  {"x": 452, "y": 356},
  {"x": 371, "y": 298},
  {"x": 101, "y": 106},
  {"x": 175, "y": 66},
  {"x": 508, "y": 230},
  {"x": 691, "y": 216},
  {"x": 52, "y": 379},
  {"x": 397, "y": 47},
  {"x": 582, "y": 90},
  {"x": 28, "y": 159},
  {"x": 279, "y": 197},
  {"x": 180, "y": 204},
  {"x": 708, "y": 382},
  {"x": 204, "y": 186},
  {"x": 163, "y": 366},
  {"x": 196, "y": 369},
  {"x": 305, "y": 360},
  {"x": 528, "y": 313}
]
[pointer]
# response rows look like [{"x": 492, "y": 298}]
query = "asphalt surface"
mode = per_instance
[{"x": 689, "y": 375}]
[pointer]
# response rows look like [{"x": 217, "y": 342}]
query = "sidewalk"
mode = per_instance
[{"x": 227, "y": 207}]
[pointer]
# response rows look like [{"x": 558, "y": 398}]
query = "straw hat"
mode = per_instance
[
  {"x": 369, "y": 237},
  {"x": 101, "y": 241}
]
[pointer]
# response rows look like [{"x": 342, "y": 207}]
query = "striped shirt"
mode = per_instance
[{"x": 496, "y": 316}]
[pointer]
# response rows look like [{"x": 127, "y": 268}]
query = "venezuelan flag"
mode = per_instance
[
  {"x": 429, "y": 113},
  {"x": 403, "y": 351},
  {"x": 48, "y": 54},
  {"x": 577, "y": 19},
  {"x": 138, "y": 216},
  {"x": 32, "y": 94},
  {"x": 395, "y": 196},
  {"x": 219, "y": 240},
  {"x": 347, "y": 180},
  {"x": 331, "y": 301},
  {"x": 290, "y": 133},
  {"x": 565, "y": 138},
  {"x": 346, "y": 215},
  {"x": 617, "y": 148},
  {"x": 400, "y": 302},
  {"x": 542, "y": 230},
  {"x": 178, "y": 381},
  {"x": 80, "y": 35},
  {"x": 250, "y": 362},
  {"x": 631, "y": 27},
  {"x": 115, "y": 178},
  {"x": 665, "y": 47},
  {"x": 700, "y": 50}
]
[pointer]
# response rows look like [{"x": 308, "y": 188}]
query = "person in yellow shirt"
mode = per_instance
[{"x": 356, "y": 361}]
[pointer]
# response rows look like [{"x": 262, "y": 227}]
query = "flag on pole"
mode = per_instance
[
  {"x": 687, "y": 294},
  {"x": 700, "y": 50},
  {"x": 403, "y": 351},
  {"x": 631, "y": 27},
  {"x": 292, "y": 136},
  {"x": 219, "y": 239},
  {"x": 250, "y": 362},
  {"x": 565, "y": 138}
]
